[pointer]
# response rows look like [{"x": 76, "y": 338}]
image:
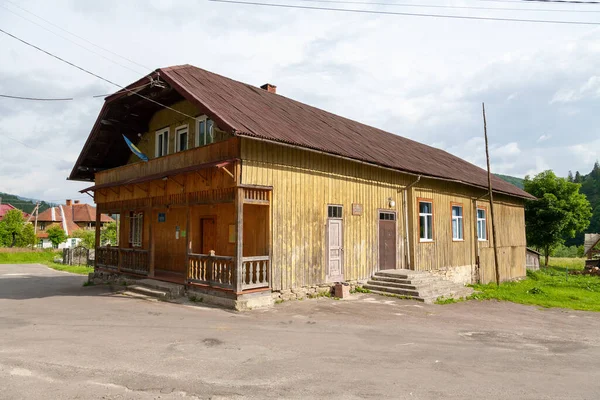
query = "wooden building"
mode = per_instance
[{"x": 247, "y": 190}]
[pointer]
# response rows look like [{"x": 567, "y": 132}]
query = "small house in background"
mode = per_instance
[
  {"x": 532, "y": 259},
  {"x": 591, "y": 249},
  {"x": 4, "y": 208},
  {"x": 70, "y": 217}
]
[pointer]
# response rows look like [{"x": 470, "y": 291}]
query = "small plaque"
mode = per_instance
[
  {"x": 231, "y": 233},
  {"x": 357, "y": 209},
  {"x": 162, "y": 217}
]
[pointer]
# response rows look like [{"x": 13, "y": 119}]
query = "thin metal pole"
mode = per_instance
[{"x": 487, "y": 156}]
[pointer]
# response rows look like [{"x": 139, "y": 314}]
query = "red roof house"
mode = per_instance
[
  {"x": 4, "y": 208},
  {"x": 71, "y": 216}
]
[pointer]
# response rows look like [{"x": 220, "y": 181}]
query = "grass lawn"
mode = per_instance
[
  {"x": 45, "y": 257},
  {"x": 549, "y": 287}
]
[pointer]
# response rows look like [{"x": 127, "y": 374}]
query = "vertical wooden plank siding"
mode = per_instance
[
  {"x": 304, "y": 183},
  {"x": 443, "y": 252}
]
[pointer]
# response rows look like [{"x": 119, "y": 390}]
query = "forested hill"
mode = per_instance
[
  {"x": 590, "y": 186},
  {"x": 518, "y": 182},
  {"x": 22, "y": 203}
]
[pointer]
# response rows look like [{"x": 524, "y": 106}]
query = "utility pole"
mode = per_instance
[
  {"x": 37, "y": 211},
  {"x": 487, "y": 156}
]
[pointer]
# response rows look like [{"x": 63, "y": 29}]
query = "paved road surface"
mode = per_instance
[{"x": 59, "y": 340}]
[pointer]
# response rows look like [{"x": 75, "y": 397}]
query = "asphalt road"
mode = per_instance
[{"x": 60, "y": 340}]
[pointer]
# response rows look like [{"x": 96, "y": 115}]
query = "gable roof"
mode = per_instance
[
  {"x": 6, "y": 207},
  {"x": 69, "y": 216},
  {"x": 249, "y": 111}
]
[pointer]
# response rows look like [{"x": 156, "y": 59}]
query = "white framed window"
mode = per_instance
[
  {"x": 205, "y": 131},
  {"x": 457, "y": 222},
  {"x": 334, "y": 212},
  {"x": 162, "y": 142},
  {"x": 426, "y": 220},
  {"x": 482, "y": 224},
  {"x": 181, "y": 136},
  {"x": 136, "y": 227}
]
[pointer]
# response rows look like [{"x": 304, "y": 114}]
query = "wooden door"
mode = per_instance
[
  {"x": 387, "y": 240},
  {"x": 169, "y": 243},
  {"x": 335, "y": 250},
  {"x": 209, "y": 233}
]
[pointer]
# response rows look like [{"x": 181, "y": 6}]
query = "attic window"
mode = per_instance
[
  {"x": 204, "y": 131},
  {"x": 162, "y": 142},
  {"x": 181, "y": 135}
]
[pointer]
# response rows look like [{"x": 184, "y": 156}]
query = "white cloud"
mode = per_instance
[{"x": 543, "y": 138}]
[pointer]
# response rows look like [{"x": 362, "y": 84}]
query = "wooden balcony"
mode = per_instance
[
  {"x": 225, "y": 150},
  {"x": 220, "y": 271}
]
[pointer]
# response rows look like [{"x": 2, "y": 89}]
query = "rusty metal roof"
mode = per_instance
[
  {"x": 249, "y": 111},
  {"x": 254, "y": 112}
]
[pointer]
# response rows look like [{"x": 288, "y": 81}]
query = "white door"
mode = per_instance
[{"x": 335, "y": 251}]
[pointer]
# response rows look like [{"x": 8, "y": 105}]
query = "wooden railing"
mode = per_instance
[
  {"x": 107, "y": 257},
  {"x": 211, "y": 270},
  {"x": 135, "y": 260},
  {"x": 255, "y": 272}
]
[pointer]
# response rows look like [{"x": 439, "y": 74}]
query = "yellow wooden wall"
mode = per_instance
[
  {"x": 166, "y": 118},
  {"x": 444, "y": 252},
  {"x": 304, "y": 183}
]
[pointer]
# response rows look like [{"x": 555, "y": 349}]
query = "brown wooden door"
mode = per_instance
[
  {"x": 335, "y": 250},
  {"x": 387, "y": 240},
  {"x": 209, "y": 233},
  {"x": 169, "y": 244}
]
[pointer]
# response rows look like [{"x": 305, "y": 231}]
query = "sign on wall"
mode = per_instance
[
  {"x": 357, "y": 209},
  {"x": 162, "y": 217}
]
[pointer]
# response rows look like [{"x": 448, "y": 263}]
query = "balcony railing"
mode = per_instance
[
  {"x": 224, "y": 150},
  {"x": 219, "y": 271},
  {"x": 130, "y": 260}
]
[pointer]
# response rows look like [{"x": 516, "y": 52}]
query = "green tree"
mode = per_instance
[
  {"x": 56, "y": 235},
  {"x": 12, "y": 225},
  {"x": 108, "y": 234},
  {"x": 560, "y": 211},
  {"x": 88, "y": 238},
  {"x": 27, "y": 237}
]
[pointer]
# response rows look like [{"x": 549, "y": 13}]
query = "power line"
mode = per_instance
[
  {"x": 35, "y": 98},
  {"x": 446, "y": 6},
  {"x": 79, "y": 37},
  {"x": 72, "y": 41},
  {"x": 66, "y": 98},
  {"x": 96, "y": 75},
  {"x": 348, "y": 10},
  {"x": 562, "y": 1}
]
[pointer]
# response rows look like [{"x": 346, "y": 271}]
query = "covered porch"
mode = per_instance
[{"x": 218, "y": 238}]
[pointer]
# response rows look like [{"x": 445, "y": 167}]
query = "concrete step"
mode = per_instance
[
  {"x": 388, "y": 279},
  {"x": 175, "y": 290},
  {"x": 392, "y": 290},
  {"x": 149, "y": 292},
  {"x": 421, "y": 299},
  {"x": 407, "y": 286}
]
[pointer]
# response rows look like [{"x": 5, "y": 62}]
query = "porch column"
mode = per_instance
[
  {"x": 151, "y": 228},
  {"x": 97, "y": 239},
  {"x": 120, "y": 246},
  {"x": 239, "y": 238}
]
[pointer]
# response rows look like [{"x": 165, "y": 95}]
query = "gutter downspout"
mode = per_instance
[
  {"x": 405, "y": 209},
  {"x": 477, "y": 261}
]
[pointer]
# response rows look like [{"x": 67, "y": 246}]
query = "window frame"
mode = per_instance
[
  {"x": 204, "y": 119},
  {"x": 341, "y": 210},
  {"x": 430, "y": 201},
  {"x": 136, "y": 227},
  {"x": 161, "y": 132},
  {"x": 178, "y": 132},
  {"x": 461, "y": 218},
  {"x": 484, "y": 209}
]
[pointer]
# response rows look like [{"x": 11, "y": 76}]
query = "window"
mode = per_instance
[
  {"x": 181, "y": 134},
  {"x": 162, "y": 142},
  {"x": 481, "y": 224},
  {"x": 40, "y": 244},
  {"x": 334, "y": 211},
  {"x": 136, "y": 225},
  {"x": 205, "y": 131},
  {"x": 387, "y": 216},
  {"x": 42, "y": 226},
  {"x": 457, "y": 222},
  {"x": 426, "y": 220}
]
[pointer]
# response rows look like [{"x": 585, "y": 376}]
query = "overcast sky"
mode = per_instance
[{"x": 422, "y": 78}]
